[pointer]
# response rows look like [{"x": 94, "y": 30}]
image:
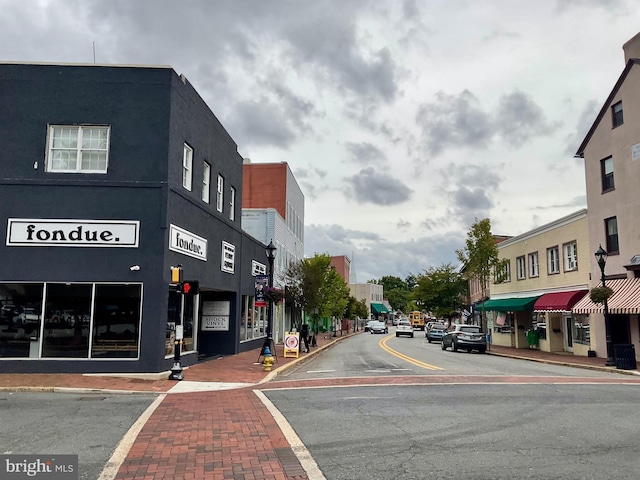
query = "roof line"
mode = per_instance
[{"x": 605, "y": 107}]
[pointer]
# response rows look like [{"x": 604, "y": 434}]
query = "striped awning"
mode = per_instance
[{"x": 625, "y": 299}]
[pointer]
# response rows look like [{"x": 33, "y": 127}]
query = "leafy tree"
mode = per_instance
[
  {"x": 317, "y": 288},
  {"x": 441, "y": 290},
  {"x": 480, "y": 257},
  {"x": 356, "y": 309}
]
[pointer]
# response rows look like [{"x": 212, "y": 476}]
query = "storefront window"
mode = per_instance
[
  {"x": 66, "y": 320},
  {"x": 581, "y": 331},
  {"x": 116, "y": 329},
  {"x": 20, "y": 319},
  {"x": 188, "y": 322},
  {"x": 61, "y": 329}
]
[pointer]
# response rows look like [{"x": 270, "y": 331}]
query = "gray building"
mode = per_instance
[{"x": 110, "y": 176}]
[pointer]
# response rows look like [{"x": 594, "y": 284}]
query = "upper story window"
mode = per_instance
[
  {"x": 611, "y": 229},
  {"x": 78, "y": 149},
  {"x": 187, "y": 166},
  {"x": 570, "y": 256},
  {"x": 616, "y": 112},
  {"x": 206, "y": 182},
  {"x": 220, "y": 193},
  {"x": 502, "y": 272},
  {"x": 232, "y": 204},
  {"x": 553, "y": 260},
  {"x": 521, "y": 266},
  {"x": 606, "y": 170},
  {"x": 533, "y": 265}
]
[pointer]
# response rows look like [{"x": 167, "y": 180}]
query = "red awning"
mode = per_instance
[{"x": 558, "y": 301}]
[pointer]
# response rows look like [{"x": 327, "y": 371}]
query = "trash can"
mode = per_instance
[{"x": 625, "y": 357}]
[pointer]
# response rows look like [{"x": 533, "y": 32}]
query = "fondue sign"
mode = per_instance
[{"x": 26, "y": 232}]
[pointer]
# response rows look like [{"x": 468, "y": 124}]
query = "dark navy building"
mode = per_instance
[{"x": 111, "y": 175}]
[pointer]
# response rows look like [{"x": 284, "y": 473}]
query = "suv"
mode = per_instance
[
  {"x": 435, "y": 332},
  {"x": 404, "y": 328},
  {"x": 469, "y": 337}
]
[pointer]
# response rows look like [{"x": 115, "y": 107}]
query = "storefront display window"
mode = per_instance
[
  {"x": 253, "y": 321},
  {"x": 117, "y": 321},
  {"x": 581, "y": 331},
  {"x": 62, "y": 328},
  {"x": 188, "y": 322},
  {"x": 20, "y": 319}
]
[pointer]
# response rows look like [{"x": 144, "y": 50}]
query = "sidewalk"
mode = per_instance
[{"x": 208, "y": 427}]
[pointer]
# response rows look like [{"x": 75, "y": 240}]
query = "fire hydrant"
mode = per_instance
[{"x": 268, "y": 360}]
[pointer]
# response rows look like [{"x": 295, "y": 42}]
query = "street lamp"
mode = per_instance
[
  {"x": 268, "y": 341},
  {"x": 601, "y": 255}
]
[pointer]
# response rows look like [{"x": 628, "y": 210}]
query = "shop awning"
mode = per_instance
[
  {"x": 510, "y": 304},
  {"x": 379, "y": 308},
  {"x": 558, "y": 301},
  {"x": 625, "y": 299}
]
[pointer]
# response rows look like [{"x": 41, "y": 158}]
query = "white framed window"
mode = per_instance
[
  {"x": 502, "y": 271},
  {"x": 232, "y": 204},
  {"x": 220, "y": 193},
  {"x": 521, "y": 267},
  {"x": 187, "y": 166},
  {"x": 78, "y": 149},
  {"x": 533, "y": 265},
  {"x": 553, "y": 260},
  {"x": 570, "y": 256},
  {"x": 206, "y": 182}
]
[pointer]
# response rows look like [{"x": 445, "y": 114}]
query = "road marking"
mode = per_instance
[
  {"x": 320, "y": 371},
  {"x": 406, "y": 358},
  {"x": 299, "y": 449}
]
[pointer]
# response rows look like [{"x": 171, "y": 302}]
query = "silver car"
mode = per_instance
[
  {"x": 466, "y": 337},
  {"x": 404, "y": 328}
]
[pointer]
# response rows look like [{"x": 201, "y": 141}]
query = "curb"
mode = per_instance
[{"x": 567, "y": 364}]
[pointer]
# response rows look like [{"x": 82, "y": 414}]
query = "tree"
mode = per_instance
[
  {"x": 356, "y": 309},
  {"x": 317, "y": 288},
  {"x": 440, "y": 290},
  {"x": 480, "y": 257}
]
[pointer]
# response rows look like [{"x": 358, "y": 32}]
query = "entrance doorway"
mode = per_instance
[{"x": 568, "y": 334}]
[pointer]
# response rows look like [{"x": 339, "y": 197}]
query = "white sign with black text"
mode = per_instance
[
  {"x": 228, "y": 260},
  {"x": 187, "y": 243},
  {"x": 215, "y": 316},
  {"x": 27, "y": 232}
]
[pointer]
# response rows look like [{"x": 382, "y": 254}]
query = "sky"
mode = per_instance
[{"x": 403, "y": 122}]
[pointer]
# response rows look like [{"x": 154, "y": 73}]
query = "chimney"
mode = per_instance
[{"x": 632, "y": 49}]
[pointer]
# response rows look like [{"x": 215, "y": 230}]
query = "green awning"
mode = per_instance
[
  {"x": 379, "y": 308},
  {"x": 510, "y": 304}
]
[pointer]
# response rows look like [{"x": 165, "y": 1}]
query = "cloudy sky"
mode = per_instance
[{"x": 403, "y": 121}]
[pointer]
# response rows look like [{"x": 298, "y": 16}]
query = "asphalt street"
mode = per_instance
[{"x": 87, "y": 425}]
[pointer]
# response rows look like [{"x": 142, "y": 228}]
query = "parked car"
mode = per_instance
[
  {"x": 27, "y": 316},
  {"x": 436, "y": 332},
  {"x": 378, "y": 327},
  {"x": 404, "y": 328},
  {"x": 468, "y": 337}
]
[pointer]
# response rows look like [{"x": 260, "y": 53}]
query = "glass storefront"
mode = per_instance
[
  {"x": 78, "y": 320},
  {"x": 253, "y": 320},
  {"x": 175, "y": 306}
]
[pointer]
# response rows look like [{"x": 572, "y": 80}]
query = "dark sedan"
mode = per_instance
[
  {"x": 466, "y": 337},
  {"x": 378, "y": 327}
]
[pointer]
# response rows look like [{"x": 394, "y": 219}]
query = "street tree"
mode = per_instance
[
  {"x": 441, "y": 291},
  {"x": 480, "y": 257},
  {"x": 317, "y": 288}
]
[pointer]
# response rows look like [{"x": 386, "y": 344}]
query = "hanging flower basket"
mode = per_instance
[
  {"x": 600, "y": 294},
  {"x": 272, "y": 294}
]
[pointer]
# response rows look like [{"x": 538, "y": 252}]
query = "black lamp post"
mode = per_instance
[
  {"x": 268, "y": 341},
  {"x": 601, "y": 255}
]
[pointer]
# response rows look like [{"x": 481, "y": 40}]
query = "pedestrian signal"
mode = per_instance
[
  {"x": 189, "y": 287},
  {"x": 176, "y": 274}
]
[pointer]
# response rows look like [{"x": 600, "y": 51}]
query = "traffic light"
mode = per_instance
[
  {"x": 189, "y": 287},
  {"x": 176, "y": 274}
]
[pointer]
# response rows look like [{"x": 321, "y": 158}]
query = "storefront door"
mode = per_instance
[{"x": 568, "y": 334}]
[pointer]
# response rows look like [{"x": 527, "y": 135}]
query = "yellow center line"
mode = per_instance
[{"x": 406, "y": 358}]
